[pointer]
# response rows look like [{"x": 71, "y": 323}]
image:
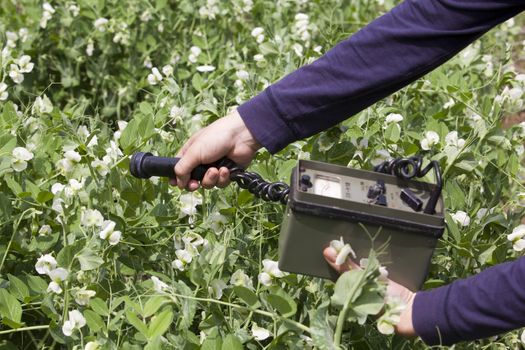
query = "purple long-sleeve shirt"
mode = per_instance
[{"x": 391, "y": 52}]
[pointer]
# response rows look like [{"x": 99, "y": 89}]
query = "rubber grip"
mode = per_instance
[{"x": 145, "y": 165}]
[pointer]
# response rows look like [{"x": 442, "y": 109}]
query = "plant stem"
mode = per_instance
[
  {"x": 23, "y": 329},
  {"x": 342, "y": 315},
  {"x": 257, "y": 311}
]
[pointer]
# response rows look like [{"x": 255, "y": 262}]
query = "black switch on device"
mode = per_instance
[{"x": 410, "y": 199}]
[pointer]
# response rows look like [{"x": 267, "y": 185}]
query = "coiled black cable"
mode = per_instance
[
  {"x": 256, "y": 185},
  {"x": 407, "y": 168}
]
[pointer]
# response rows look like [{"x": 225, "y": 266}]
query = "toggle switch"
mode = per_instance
[{"x": 409, "y": 198}]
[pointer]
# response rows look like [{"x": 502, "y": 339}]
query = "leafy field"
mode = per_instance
[{"x": 92, "y": 258}]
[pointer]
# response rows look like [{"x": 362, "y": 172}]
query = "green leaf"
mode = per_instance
[
  {"x": 283, "y": 303},
  {"x": 94, "y": 321},
  {"x": 247, "y": 295},
  {"x": 197, "y": 82},
  {"x": 10, "y": 308},
  {"x": 347, "y": 283},
  {"x": 99, "y": 306},
  {"x": 44, "y": 196},
  {"x": 393, "y": 132},
  {"x": 231, "y": 342},
  {"x": 89, "y": 261},
  {"x": 146, "y": 108},
  {"x": 153, "y": 304},
  {"x": 188, "y": 306},
  {"x": 322, "y": 332},
  {"x": 160, "y": 323},
  {"x": 17, "y": 287},
  {"x": 137, "y": 323},
  {"x": 37, "y": 284}
]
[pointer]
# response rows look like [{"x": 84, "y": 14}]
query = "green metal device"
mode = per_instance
[
  {"x": 382, "y": 209},
  {"x": 369, "y": 210}
]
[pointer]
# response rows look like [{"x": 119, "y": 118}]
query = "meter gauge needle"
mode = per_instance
[{"x": 328, "y": 187}]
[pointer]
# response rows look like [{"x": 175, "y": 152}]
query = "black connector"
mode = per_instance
[{"x": 409, "y": 198}]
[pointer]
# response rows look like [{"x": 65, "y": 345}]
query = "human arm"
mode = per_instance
[
  {"x": 386, "y": 55},
  {"x": 389, "y": 53}
]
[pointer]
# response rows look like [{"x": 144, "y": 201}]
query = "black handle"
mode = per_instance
[{"x": 144, "y": 165}]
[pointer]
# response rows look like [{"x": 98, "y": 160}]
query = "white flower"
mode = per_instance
[
  {"x": 73, "y": 156},
  {"x": 12, "y": 37},
  {"x": 452, "y": 140},
  {"x": 260, "y": 333},
  {"x": 73, "y": 187},
  {"x": 393, "y": 118},
  {"x": 91, "y": 217},
  {"x": 298, "y": 49},
  {"x": 270, "y": 271},
  {"x": 184, "y": 257},
  {"x": 54, "y": 287},
  {"x": 42, "y": 105},
  {"x": 45, "y": 230},
  {"x": 450, "y": 103},
  {"x": 20, "y": 157},
  {"x": 92, "y": 345},
  {"x": 3, "y": 92},
  {"x": 83, "y": 295},
  {"x": 242, "y": 74},
  {"x": 100, "y": 166},
  {"x": 58, "y": 275},
  {"x": 522, "y": 337},
  {"x": 240, "y": 278},
  {"x": 430, "y": 139},
  {"x": 114, "y": 237},
  {"x": 76, "y": 321},
  {"x": 265, "y": 279},
  {"x": 216, "y": 287},
  {"x": 47, "y": 14},
  {"x": 343, "y": 250},
  {"x": 65, "y": 166},
  {"x": 258, "y": 58},
  {"x": 461, "y": 218},
  {"x": 24, "y": 63},
  {"x": 301, "y": 26},
  {"x": 380, "y": 156},
  {"x": 167, "y": 70},
  {"x": 189, "y": 203},
  {"x": 100, "y": 24},
  {"x": 257, "y": 33},
  {"x": 154, "y": 77},
  {"x": 195, "y": 51},
  {"x": 205, "y": 68},
  {"x": 107, "y": 228},
  {"x": 158, "y": 285},
  {"x": 176, "y": 112},
  {"x": 45, "y": 264},
  {"x": 74, "y": 9},
  {"x": 90, "y": 48},
  {"x": 57, "y": 187},
  {"x": 217, "y": 222},
  {"x": 516, "y": 237},
  {"x": 391, "y": 317},
  {"x": 15, "y": 74}
]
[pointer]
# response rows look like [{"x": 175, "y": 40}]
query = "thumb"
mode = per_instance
[{"x": 189, "y": 161}]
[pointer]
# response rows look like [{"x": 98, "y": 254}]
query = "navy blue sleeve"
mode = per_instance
[
  {"x": 392, "y": 51},
  {"x": 489, "y": 303}
]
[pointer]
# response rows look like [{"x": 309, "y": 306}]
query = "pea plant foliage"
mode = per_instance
[{"x": 92, "y": 258}]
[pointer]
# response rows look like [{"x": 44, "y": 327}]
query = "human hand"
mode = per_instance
[
  {"x": 226, "y": 137},
  {"x": 394, "y": 290}
]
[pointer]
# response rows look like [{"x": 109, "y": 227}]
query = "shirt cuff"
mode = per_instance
[
  {"x": 265, "y": 123},
  {"x": 429, "y": 318}
]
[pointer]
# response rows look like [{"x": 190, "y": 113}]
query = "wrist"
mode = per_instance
[
  {"x": 242, "y": 133},
  {"x": 405, "y": 326}
]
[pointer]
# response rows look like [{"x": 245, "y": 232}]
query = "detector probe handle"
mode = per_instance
[{"x": 145, "y": 165}]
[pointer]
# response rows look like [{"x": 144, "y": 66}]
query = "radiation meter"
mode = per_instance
[{"x": 384, "y": 209}]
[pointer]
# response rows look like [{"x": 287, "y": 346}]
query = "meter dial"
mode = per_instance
[{"x": 327, "y": 186}]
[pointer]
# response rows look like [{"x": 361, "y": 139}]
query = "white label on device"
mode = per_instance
[{"x": 327, "y": 186}]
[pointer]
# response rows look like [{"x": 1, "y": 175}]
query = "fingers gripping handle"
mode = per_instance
[{"x": 144, "y": 165}]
